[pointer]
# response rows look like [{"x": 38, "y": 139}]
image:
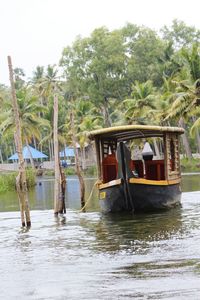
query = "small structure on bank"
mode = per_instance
[
  {"x": 86, "y": 156},
  {"x": 29, "y": 153},
  {"x": 67, "y": 156}
]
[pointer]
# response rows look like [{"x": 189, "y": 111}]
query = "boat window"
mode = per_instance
[
  {"x": 172, "y": 155},
  {"x": 109, "y": 167},
  {"x": 172, "y": 152},
  {"x": 109, "y": 147}
]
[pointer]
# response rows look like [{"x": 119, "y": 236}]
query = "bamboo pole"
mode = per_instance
[
  {"x": 60, "y": 182},
  {"x": 30, "y": 154},
  {"x": 57, "y": 182},
  {"x": 21, "y": 184}
]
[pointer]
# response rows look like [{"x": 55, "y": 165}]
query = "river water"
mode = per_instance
[{"x": 95, "y": 256}]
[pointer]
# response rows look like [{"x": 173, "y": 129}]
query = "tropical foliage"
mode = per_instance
[{"x": 124, "y": 76}]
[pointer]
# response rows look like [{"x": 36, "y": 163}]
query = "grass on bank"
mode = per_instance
[
  {"x": 187, "y": 165},
  {"x": 7, "y": 180},
  {"x": 91, "y": 171},
  {"x": 190, "y": 165}
]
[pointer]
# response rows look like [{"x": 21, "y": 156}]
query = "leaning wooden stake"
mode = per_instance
[{"x": 21, "y": 184}]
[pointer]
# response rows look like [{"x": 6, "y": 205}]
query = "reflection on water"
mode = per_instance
[
  {"x": 134, "y": 228},
  {"x": 41, "y": 197},
  {"x": 95, "y": 256}
]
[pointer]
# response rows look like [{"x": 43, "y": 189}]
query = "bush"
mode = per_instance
[
  {"x": 91, "y": 171},
  {"x": 31, "y": 178},
  {"x": 190, "y": 165},
  {"x": 49, "y": 172},
  {"x": 69, "y": 171},
  {"x": 8, "y": 180}
]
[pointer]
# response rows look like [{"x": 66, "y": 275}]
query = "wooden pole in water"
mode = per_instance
[
  {"x": 21, "y": 184},
  {"x": 60, "y": 182},
  {"x": 57, "y": 182}
]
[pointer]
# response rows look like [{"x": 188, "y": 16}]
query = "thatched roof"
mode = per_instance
[{"x": 133, "y": 131}]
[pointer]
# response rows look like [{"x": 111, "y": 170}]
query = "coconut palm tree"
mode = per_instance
[
  {"x": 29, "y": 109},
  {"x": 192, "y": 58},
  {"x": 86, "y": 118},
  {"x": 187, "y": 93},
  {"x": 143, "y": 99}
]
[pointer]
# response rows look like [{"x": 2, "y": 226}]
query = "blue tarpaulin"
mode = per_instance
[
  {"x": 68, "y": 152},
  {"x": 26, "y": 154}
]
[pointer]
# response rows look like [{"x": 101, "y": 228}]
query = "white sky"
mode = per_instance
[{"x": 34, "y": 32}]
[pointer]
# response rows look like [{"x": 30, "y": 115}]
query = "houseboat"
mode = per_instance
[{"x": 138, "y": 167}]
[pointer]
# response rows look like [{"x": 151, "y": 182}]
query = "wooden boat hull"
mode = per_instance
[{"x": 141, "y": 197}]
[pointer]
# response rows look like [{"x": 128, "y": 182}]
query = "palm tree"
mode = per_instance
[
  {"x": 192, "y": 58},
  {"x": 29, "y": 109},
  {"x": 21, "y": 183},
  {"x": 187, "y": 93},
  {"x": 143, "y": 99},
  {"x": 86, "y": 118},
  {"x": 183, "y": 109}
]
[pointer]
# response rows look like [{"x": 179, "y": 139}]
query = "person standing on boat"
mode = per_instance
[{"x": 147, "y": 152}]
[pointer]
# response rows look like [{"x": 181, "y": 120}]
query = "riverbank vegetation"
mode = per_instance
[
  {"x": 190, "y": 165},
  {"x": 90, "y": 171},
  {"x": 131, "y": 75},
  {"x": 8, "y": 180}
]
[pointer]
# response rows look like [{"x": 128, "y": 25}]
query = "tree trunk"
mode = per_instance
[
  {"x": 52, "y": 149},
  {"x": 11, "y": 151},
  {"x": 31, "y": 157},
  {"x": 21, "y": 184},
  {"x": 50, "y": 157},
  {"x": 1, "y": 157},
  {"x": 156, "y": 148},
  {"x": 185, "y": 140},
  {"x": 59, "y": 185},
  {"x": 197, "y": 136},
  {"x": 83, "y": 155},
  {"x": 106, "y": 115},
  {"x": 77, "y": 163},
  {"x": 6, "y": 148},
  {"x": 65, "y": 156},
  {"x": 34, "y": 141},
  {"x": 41, "y": 150},
  {"x": 198, "y": 141}
]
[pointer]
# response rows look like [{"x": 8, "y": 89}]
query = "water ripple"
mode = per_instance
[{"x": 95, "y": 256}]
